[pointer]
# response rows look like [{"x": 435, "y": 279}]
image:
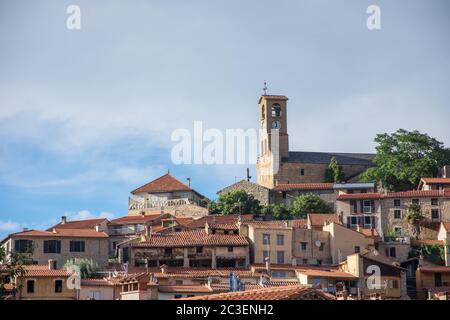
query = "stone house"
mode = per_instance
[{"x": 60, "y": 245}]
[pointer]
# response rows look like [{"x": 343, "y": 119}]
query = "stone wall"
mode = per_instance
[
  {"x": 262, "y": 194},
  {"x": 185, "y": 210}
]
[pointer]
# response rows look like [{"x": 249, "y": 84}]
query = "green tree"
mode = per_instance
[
  {"x": 235, "y": 202},
  {"x": 88, "y": 268},
  {"x": 334, "y": 172},
  {"x": 414, "y": 217},
  {"x": 310, "y": 203},
  {"x": 277, "y": 211},
  {"x": 13, "y": 266},
  {"x": 404, "y": 157}
]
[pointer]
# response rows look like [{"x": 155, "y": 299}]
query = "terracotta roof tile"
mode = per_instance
[
  {"x": 165, "y": 183},
  {"x": 278, "y": 293},
  {"x": 278, "y": 224},
  {"x": 415, "y": 242},
  {"x": 213, "y": 219},
  {"x": 319, "y": 219},
  {"x": 326, "y": 273},
  {"x": 136, "y": 219},
  {"x": 69, "y": 233},
  {"x": 436, "y": 180},
  {"x": 44, "y": 271},
  {"x": 79, "y": 224},
  {"x": 402, "y": 194},
  {"x": 304, "y": 186},
  {"x": 446, "y": 226},
  {"x": 191, "y": 238}
]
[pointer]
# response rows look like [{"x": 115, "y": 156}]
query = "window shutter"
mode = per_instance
[{"x": 45, "y": 246}]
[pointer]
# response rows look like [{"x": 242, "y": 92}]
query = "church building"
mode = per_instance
[{"x": 277, "y": 165}]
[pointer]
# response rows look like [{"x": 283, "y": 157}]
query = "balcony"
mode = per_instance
[{"x": 137, "y": 203}]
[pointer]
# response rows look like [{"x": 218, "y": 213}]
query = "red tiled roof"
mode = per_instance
[
  {"x": 278, "y": 224},
  {"x": 69, "y": 233},
  {"x": 278, "y": 293},
  {"x": 44, "y": 271},
  {"x": 191, "y": 238},
  {"x": 402, "y": 194},
  {"x": 434, "y": 269},
  {"x": 304, "y": 186},
  {"x": 319, "y": 219},
  {"x": 136, "y": 219},
  {"x": 446, "y": 226},
  {"x": 326, "y": 273},
  {"x": 79, "y": 224},
  {"x": 360, "y": 196},
  {"x": 216, "y": 219},
  {"x": 436, "y": 180},
  {"x": 165, "y": 183},
  {"x": 426, "y": 242}
]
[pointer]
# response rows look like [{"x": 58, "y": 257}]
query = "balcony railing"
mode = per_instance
[{"x": 136, "y": 203}]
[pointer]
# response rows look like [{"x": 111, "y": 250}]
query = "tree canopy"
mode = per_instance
[
  {"x": 12, "y": 266},
  {"x": 88, "y": 268},
  {"x": 334, "y": 172},
  {"x": 310, "y": 203},
  {"x": 404, "y": 157},
  {"x": 235, "y": 202}
]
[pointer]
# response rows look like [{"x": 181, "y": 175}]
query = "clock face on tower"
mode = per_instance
[{"x": 276, "y": 125}]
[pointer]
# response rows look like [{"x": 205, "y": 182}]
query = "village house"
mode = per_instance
[
  {"x": 387, "y": 212},
  {"x": 60, "y": 245},
  {"x": 433, "y": 282},
  {"x": 391, "y": 283},
  {"x": 168, "y": 194},
  {"x": 44, "y": 282},
  {"x": 195, "y": 248}
]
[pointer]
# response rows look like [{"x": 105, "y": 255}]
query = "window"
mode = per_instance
[
  {"x": 434, "y": 202},
  {"x": 284, "y": 195},
  {"x": 265, "y": 255},
  {"x": 434, "y": 214},
  {"x": 280, "y": 239},
  {"x": 23, "y": 246},
  {"x": 167, "y": 251},
  {"x": 30, "y": 286},
  {"x": 319, "y": 262},
  {"x": 276, "y": 110},
  {"x": 397, "y": 203},
  {"x": 58, "y": 286},
  {"x": 52, "y": 246},
  {"x": 76, "y": 246},
  {"x": 415, "y": 201},
  {"x": 438, "y": 280},
  {"x": 321, "y": 247},
  {"x": 302, "y": 172},
  {"x": 353, "y": 221},
  {"x": 230, "y": 249},
  {"x": 282, "y": 274},
  {"x": 305, "y": 261},
  {"x": 266, "y": 238},
  {"x": 368, "y": 221},
  {"x": 397, "y": 214},
  {"x": 199, "y": 249},
  {"x": 357, "y": 249},
  {"x": 303, "y": 245},
  {"x": 395, "y": 284},
  {"x": 368, "y": 206},
  {"x": 280, "y": 257},
  {"x": 390, "y": 252}
]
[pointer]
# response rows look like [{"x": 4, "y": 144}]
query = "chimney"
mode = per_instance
[
  {"x": 164, "y": 269},
  {"x": 24, "y": 229},
  {"x": 207, "y": 228},
  {"x": 161, "y": 211},
  {"x": 51, "y": 264},
  {"x": 189, "y": 182},
  {"x": 63, "y": 219},
  {"x": 210, "y": 281}
]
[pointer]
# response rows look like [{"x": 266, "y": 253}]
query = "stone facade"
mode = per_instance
[
  {"x": 311, "y": 247},
  {"x": 261, "y": 193},
  {"x": 184, "y": 210}
]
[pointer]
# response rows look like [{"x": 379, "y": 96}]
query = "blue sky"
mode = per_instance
[{"x": 86, "y": 115}]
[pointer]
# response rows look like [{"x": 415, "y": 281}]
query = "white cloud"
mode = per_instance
[
  {"x": 85, "y": 214},
  {"x": 9, "y": 225}
]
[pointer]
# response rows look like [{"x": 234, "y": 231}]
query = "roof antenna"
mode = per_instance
[
  {"x": 265, "y": 88},
  {"x": 248, "y": 174}
]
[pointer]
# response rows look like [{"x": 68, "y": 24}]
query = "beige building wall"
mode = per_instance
[
  {"x": 95, "y": 249},
  {"x": 258, "y": 248},
  {"x": 313, "y": 253},
  {"x": 343, "y": 242},
  {"x": 44, "y": 289}
]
